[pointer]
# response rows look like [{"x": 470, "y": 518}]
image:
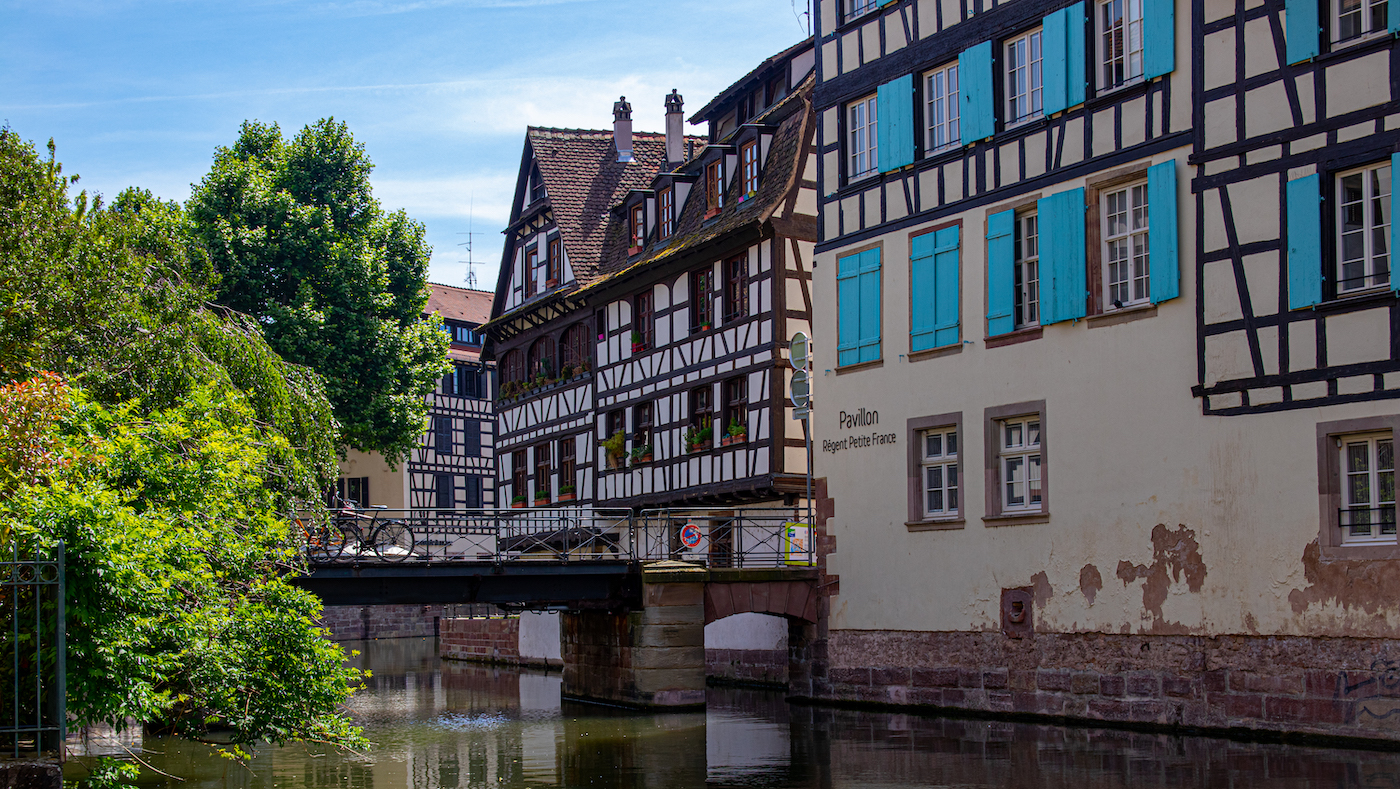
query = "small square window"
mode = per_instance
[
  {"x": 1023, "y": 78},
  {"x": 639, "y": 226},
  {"x": 862, "y": 149}
]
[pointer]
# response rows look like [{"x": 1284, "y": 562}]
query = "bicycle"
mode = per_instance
[{"x": 361, "y": 533}]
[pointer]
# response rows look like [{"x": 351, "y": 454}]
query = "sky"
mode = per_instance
[{"x": 141, "y": 92}]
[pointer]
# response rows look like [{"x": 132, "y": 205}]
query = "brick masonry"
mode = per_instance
[
  {"x": 747, "y": 666},
  {"x": 350, "y": 622},
  {"x": 1323, "y": 686},
  {"x": 483, "y": 640}
]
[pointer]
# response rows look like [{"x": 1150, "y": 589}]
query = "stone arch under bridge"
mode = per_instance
[{"x": 792, "y": 599}]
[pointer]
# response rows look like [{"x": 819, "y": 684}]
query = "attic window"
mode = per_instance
[
  {"x": 748, "y": 157},
  {"x": 714, "y": 187},
  {"x": 555, "y": 263},
  {"x": 639, "y": 226},
  {"x": 537, "y": 191},
  {"x": 666, "y": 205}
]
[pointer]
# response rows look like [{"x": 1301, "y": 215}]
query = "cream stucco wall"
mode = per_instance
[
  {"x": 387, "y": 487},
  {"x": 1126, "y": 449}
]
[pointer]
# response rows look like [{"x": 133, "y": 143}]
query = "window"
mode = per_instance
[
  {"x": 939, "y": 478},
  {"x": 702, "y": 313},
  {"x": 748, "y": 157},
  {"x": 714, "y": 187},
  {"x": 555, "y": 265},
  {"x": 532, "y": 268},
  {"x": 513, "y": 366},
  {"x": 1027, "y": 271},
  {"x": 855, "y": 8},
  {"x": 1363, "y": 228},
  {"x": 861, "y": 127},
  {"x": 616, "y": 423},
  {"x": 701, "y": 408},
  {"x": 736, "y": 288},
  {"x": 451, "y": 382},
  {"x": 736, "y": 403},
  {"x": 1352, "y": 18},
  {"x": 537, "y": 190},
  {"x": 941, "y": 111},
  {"x": 1121, "y": 47},
  {"x": 355, "y": 490},
  {"x": 573, "y": 348},
  {"x": 542, "y": 471},
  {"x": 1020, "y": 464},
  {"x": 643, "y": 323},
  {"x": 1023, "y": 77},
  {"x": 445, "y": 493},
  {"x": 666, "y": 202},
  {"x": 442, "y": 435},
  {"x": 466, "y": 336},
  {"x": 642, "y": 423},
  {"x": 469, "y": 381},
  {"x": 1125, "y": 245},
  {"x": 568, "y": 465},
  {"x": 858, "y": 308},
  {"x": 519, "y": 474},
  {"x": 471, "y": 439},
  {"x": 1368, "y": 488},
  {"x": 473, "y": 492},
  {"x": 639, "y": 226},
  {"x": 542, "y": 359}
]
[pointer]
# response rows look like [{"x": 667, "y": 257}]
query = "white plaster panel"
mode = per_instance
[
  {"x": 1134, "y": 122},
  {"x": 1227, "y": 357},
  {"x": 895, "y": 204},
  {"x": 1035, "y": 154},
  {"x": 1214, "y": 222},
  {"x": 928, "y": 189},
  {"x": 1222, "y": 300},
  {"x": 1260, "y": 57},
  {"x": 1307, "y": 102},
  {"x": 1254, "y": 206},
  {"x": 1261, "y": 271},
  {"x": 870, "y": 39},
  {"x": 895, "y": 39},
  {"x": 830, "y": 226},
  {"x": 872, "y": 207},
  {"x": 1356, "y": 384},
  {"x": 1269, "y": 349},
  {"x": 1358, "y": 337},
  {"x": 952, "y": 13},
  {"x": 1265, "y": 154},
  {"x": 1220, "y": 122},
  {"x": 850, "y": 52},
  {"x": 1356, "y": 131},
  {"x": 1073, "y": 141},
  {"x": 928, "y": 18},
  {"x": 1310, "y": 390},
  {"x": 850, "y": 213},
  {"x": 1358, "y": 84},
  {"x": 1266, "y": 110},
  {"x": 1219, "y": 58},
  {"x": 953, "y": 181},
  {"x": 1103, "y": 132},
  {"x": 1216, "y": 9}
]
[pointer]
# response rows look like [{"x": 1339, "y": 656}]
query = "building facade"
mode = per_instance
[
  {"x": 649, "y": 282},
  {"x": 453, "y": 465},
  {"x": 1152, "y": 237}
]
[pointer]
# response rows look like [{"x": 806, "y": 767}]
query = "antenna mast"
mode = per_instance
[{"x": 471, "y": 264}]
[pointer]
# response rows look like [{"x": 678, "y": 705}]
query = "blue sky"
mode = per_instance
[{"x": 140, "y": 92}]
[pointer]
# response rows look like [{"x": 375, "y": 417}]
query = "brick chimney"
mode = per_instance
[
  {"x": 622, "y": 129},
  {"x": 675, "y": 131}
]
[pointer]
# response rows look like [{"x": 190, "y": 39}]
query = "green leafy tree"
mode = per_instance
[{"x": 300, "y": 243}]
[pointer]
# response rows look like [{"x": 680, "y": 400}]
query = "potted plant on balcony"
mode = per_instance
[
  {"x": 518, "y": 502},
  {"x": 541, "y": 498},
  {"x": 637, "y": 345},
  {"x": 700, "y": 439},
  {"x": 705, "y": 325},
  {"x": 613, "y": 445},
  {"x": 566, "y": 372},
  {"x": 566, "y": 493},
  {"x": 737, "y": 433},
  {"x": 641, "y": 455},
  {"x": 586, "y": 365}
]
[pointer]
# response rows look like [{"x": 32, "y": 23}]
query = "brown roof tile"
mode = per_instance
[{"x": 459, "y": 304}]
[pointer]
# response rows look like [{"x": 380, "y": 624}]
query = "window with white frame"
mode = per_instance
[
  {"x": 940, "y": 472},
  {"x": 639, "y": 225},
  {"x": 855, "y": 8},
  {"x": 1020, "y": 464},
  {"x": 941, "y": 110},
  {"x": 748, "y": 159},
  {"x": 862, "y": 119},
  {"x": 1026, "y": 238},
  {"x": 1125, "y": 245},
  {"x": 1352, "y": 18},
  {"x": 1120, "y": 42},
  {"x": 1368, "y": 488},
  {"x": 1023, "y": 77},
  {"x": 1363, "y": 228}
]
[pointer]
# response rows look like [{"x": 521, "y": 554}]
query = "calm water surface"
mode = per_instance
[{"x": 447, "y": 725}]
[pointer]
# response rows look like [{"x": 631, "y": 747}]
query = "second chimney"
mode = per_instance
[
  {"x": 675, "y": 132},
  {"x": 622, "y": 129}
]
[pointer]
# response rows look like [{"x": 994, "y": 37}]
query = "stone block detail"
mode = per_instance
[
  {"x": 352, "y": 622},
  {"x": 482, "y": 640}
]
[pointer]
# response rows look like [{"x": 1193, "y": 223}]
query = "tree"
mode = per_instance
[
  {"x": 166, "y": 446},
  {"x": 300, "y": 244}
]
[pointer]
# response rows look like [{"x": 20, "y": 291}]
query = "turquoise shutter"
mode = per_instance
[
  {"x": 978, "y": 112},
  {"x": 1164, "y": 276},
  {"x": 933, "y": 290},
  {"x": 1159, "y": 37},
  {"x": 869, "y": 305},
  {"x": 1304, "y": 242},
  {"x": 1062, "y": 38},
  {"x": 848, "y": 310},
  {"x": 1302, "y": 30},
  {"x": 945, "y": 264},
  {"x": 1062, "y": 264},
  {"x": 1001, "y": 273},
  {"x": 894, "y": 130},
  {"x": 1394, "y": 226}
]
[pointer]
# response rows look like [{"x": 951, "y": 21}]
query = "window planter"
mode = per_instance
[
  {"x": 541, "y": 501},
  {"x": 551, "y": 283},
  {"x": 518, "y": 505},
  {"x": 563, "y": 497},
  {"x": 638, "y": 347},
  {"x": 741, "y": 438},
  {"x": 701, "y": 446}
]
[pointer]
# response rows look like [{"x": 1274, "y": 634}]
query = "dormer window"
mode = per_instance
[
  {"x": 554, "y": 266},
  {"x": 748, "y": 158},
  {"x": 639, "y": 227},
  {"x": 537, "y": 191},
  {"x": 532, "y": 269},
  {"x": 666, "y": 207},
  {"x": 714, "y": 187}
]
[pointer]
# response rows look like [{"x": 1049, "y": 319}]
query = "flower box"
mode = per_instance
[
  {"x": 563, "y": 497},
  {"x": 702, "y": 446},
  {"x": 517, "y": 505},
  {"x": 638, "y": 347},
  {"x": 551, "y": 283}
]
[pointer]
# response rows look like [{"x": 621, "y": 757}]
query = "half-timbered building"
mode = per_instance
[
  {"x": 453, "y": 465},
  {"x": 1154, "y": 237},
  {"x": 645, "y": 368}
]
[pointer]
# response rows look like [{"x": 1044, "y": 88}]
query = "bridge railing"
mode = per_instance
[
  {"x": 377, "y": 534},
  {"x": 725, "y": 538}
]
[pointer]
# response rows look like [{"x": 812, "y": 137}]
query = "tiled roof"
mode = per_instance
[
  {"x": 743, "y": 83},
  {"x": 692, "y": 229},
  {"x": 584, "y": 179},
  {"x": 459, "y": 304}
]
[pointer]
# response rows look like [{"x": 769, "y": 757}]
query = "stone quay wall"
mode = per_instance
[
  {"x": 350, "y": 622},
  {"x": 1266, "y": 685},
  {"x": 482, "y": 640},
  {"x": 747, "y": 666}
]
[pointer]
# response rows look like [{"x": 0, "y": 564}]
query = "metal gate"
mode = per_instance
[{"x": 32, "y": 654}]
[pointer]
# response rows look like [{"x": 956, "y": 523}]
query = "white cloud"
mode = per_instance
[{"x": 485, "y": 197}]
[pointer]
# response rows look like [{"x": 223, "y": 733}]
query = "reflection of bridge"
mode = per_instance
[{"x": 636, "y": 590}]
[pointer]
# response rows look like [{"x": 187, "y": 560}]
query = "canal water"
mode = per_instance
[{"x": 439, "y": 724}]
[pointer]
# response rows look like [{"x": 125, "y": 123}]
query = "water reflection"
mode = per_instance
[{"x": 445, "y": 725}]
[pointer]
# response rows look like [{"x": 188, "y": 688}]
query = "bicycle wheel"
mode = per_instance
[
  {"x": 324, "y": 542},
  {"x": 393, "y": 541}
]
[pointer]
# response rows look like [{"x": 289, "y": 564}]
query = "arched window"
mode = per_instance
[
  {"x": 542, "y": 359},
  {"x": 573, "y": 348},
  {"x": 512, "y": 367}
]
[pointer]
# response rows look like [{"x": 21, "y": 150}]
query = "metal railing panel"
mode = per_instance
[
  {"x": 33, "y": 659},
  {"x": 727, "y": 538}
]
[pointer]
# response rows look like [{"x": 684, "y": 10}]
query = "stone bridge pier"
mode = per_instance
[{"x": 654, "y": 656}]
